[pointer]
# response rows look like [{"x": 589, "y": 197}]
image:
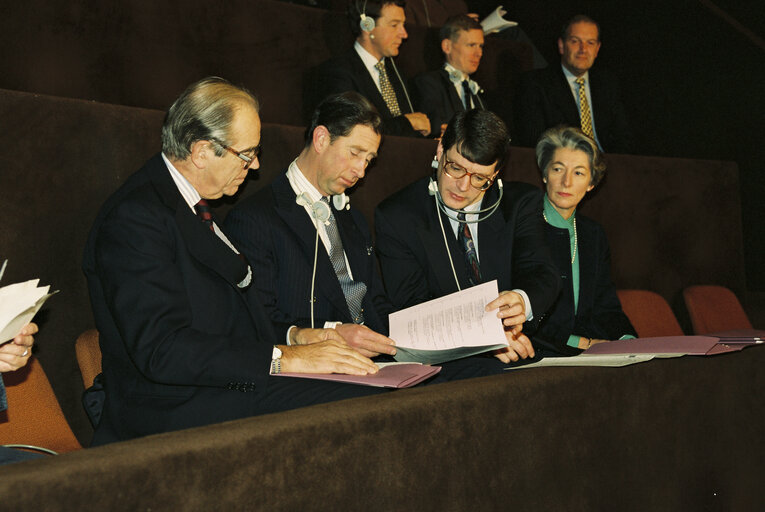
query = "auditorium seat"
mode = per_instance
[
  {"x": 714, "y": 309},
  {"x": 88, "y": 356},
  {"x": 649, "y": 313},
  {"x": 34, "y": 416}
]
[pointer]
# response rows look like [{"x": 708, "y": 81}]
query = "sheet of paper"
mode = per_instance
[
  {"x": 607, "y": 360},
  {"x": 18, "y": 305},
  {"x": 449, "y": 327}
]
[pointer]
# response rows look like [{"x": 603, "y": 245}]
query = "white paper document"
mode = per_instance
[
  {"x": 18, "y": 305},
  {"x": 449, "y": 327},
  {"x": 607, "y": 360}
]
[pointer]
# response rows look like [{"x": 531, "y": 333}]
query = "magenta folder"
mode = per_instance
[
  {"x": 392, "y": 376},
  {"x": 670, "y": 345}
]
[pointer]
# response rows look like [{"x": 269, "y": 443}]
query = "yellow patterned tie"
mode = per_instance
[
  {"x": 388, "y": 94},
  {"x": 584, "y": 108}
]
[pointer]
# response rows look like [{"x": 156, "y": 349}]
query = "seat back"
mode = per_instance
[
  {"x": 34, "y": 416},
  {"x": 714, "y": 309},
  {"x": 88, "y": 356},
  {"x": 649, "y": 313}
]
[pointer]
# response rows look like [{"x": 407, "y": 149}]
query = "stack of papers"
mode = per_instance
[
  {"x": 448, "y": 328},
  {"x": 18, "y": 305}
]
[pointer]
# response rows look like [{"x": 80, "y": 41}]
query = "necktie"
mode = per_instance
[
  {"x": 471, "y": 258},
  {"x": 354, "y": 291},
  {"x": 204, "y": 213},
  {"x": 584, "y": 109},
  {"x": 467, "y": 99},
  {"x": 388, "y": 94}
]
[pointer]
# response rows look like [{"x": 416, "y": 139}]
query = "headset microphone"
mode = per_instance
[{"x": 321, "y": 212}]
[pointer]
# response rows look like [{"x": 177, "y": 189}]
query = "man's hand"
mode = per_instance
[
  {"x": 16, "y": 353},
  {"x": 419, "y": 122},
  {"x": 520, "y": 348},
  {"x": 366, "y": 341},
  {"x": 512, "y": 310},
  {"x": 307, "y": 335},
  {"x": 585, "y": 343},
  {"x": 329, "y": 356}
]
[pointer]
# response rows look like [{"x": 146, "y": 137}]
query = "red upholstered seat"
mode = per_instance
[
  {"x": 649, "y": 313},
  {"x": 714, "y": 309},
  {"x": 34, "y": 416},
  {"x": 88, "y": 356}
]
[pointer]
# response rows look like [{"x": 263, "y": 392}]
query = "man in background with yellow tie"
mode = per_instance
[
  {"x": 368, "y": 67},
  {"x": 574, "y": 93}
]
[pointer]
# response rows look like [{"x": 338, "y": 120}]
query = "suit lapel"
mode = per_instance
[
  {"x": 564, "y": 98},
  {"x": 204, "y": 245},
  {"x": 492, "y": 236},
  {"x": 432, "y": 239},
  {"x": 299, "y": 223},
  {"x": 454, "y": 99}
]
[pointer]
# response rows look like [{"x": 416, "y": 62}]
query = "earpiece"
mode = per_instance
[
  {"x": 432, "y": 187},
  {"x": 367, "y": 23},
  {"x": 341, "y": 202},
  {"x": 434, "y": 163},
  {"x": 319, "y": 210}
]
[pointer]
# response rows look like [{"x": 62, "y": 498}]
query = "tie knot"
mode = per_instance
[
  {"x": 580, "y": 81},
  {"x": 461, "y": 216},
  {"x": 202, "y": 207},
  {"x": 380, "y": 66}
]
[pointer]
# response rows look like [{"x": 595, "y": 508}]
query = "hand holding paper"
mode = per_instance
[{"x": 18, "y": 305}]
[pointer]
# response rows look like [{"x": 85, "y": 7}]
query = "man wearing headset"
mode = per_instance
[
  {"x": 445, "y": 91},
  {"x": 368, "y": 68},
  {"x": 290, "y": 230},
  {"x": 462, "y": 227}
]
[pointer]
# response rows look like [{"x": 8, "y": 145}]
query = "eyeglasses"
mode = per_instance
[
  {"x": 247, "y": 156},
  {"x": 456, "y": 172}
]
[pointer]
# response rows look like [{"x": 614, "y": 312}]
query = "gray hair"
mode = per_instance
[
  {"x": 204, "y": 111},
  {"x": 570, "y": 138}
]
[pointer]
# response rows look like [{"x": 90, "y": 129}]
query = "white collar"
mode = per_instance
[{"x": 457, "y": 77}]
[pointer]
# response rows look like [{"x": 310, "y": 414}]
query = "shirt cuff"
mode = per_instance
[
  {"x": 526, "y": 303},
  {"x": 627, "y": 337},
  {"x": 573, "y": 341},
  {"x": 331, "y": 325},
  {"x": 288, "y": 333}
]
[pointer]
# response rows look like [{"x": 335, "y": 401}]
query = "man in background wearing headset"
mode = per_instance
[
  {"x": 464, "y": 227},
  {"x": 368, "y": 67},
  {"x": 445, "y": 91},
  {"x": 300, "y": 233}
]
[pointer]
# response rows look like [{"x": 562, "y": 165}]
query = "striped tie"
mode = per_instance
[
  {"x": 388, "y": 94},
  {"x": 471, "y": 257},
  {"x": 584, "y": 109},
  {"x": 204, "y": 213}
]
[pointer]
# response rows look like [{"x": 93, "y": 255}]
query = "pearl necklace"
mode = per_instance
[{"x": 576, "y": 237}]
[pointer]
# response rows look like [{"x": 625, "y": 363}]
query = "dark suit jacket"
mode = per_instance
[
  {"x": 278, "y": 238},
  {"x": 178, "y": 337},
  {"x": 435, "y": 96},
  {"x": 511, "y": 247},
  {"x": 599, "y": 314},
  {"x": 545, "y": 100},
  {"x": 347, "y": 72}
]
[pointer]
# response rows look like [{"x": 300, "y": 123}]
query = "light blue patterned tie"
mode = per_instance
[{"x": 354, "y": 291}]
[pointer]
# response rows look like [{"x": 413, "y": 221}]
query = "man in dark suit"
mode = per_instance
[
  {"x": 184, "y": 341},
  {"x": 443, "y": 92},
  {"x": 426, "y": 233},
  {"x": 290, "y": 230},
  {"x": 574, "y": 94},
  {"x": 368, "y": 67}
]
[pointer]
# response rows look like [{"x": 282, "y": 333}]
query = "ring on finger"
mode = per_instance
[{"x": 26, "y": 352}]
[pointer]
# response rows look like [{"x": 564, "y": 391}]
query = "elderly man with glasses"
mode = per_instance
[{"x": 463, "y": 226}]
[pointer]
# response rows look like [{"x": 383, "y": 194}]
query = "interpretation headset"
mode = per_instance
[
  {"x": 456, "y": 77},
  {"x": 442, "y": 207},
  {"x": 320, "y": 211},
  {"x": 366, "y": 23}
]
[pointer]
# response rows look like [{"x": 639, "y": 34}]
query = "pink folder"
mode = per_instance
[
  {"x": 691, "y": 345},
  {"x": 393, "y": 376}
]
